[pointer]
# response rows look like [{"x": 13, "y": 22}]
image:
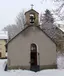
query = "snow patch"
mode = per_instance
[
  {"x": 48, "y": 72},
  {"x": 3, "y": 63}
]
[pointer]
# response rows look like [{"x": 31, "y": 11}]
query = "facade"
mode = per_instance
[
  {"x": 2, "y": 49},
  {"x": 32, "y": 48}
]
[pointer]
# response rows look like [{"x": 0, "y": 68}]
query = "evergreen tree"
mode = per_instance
[
  {"x": 47, "y": 18},
  {"x": 47, "y": 24}
]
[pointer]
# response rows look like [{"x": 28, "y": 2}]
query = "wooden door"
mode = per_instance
[{"x": 33, "y": 56}]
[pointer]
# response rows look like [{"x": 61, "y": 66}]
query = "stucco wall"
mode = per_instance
[
  {"x": 2, "y": 48},
  {"x": 19, "y": 48}
]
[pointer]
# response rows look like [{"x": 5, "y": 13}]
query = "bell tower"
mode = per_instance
[{"x": 32, "y": 17}]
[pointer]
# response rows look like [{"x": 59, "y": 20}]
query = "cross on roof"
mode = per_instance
[{"x": 32, "y": 6}]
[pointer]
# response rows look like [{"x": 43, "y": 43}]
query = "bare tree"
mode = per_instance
[
  {"x": 14, "y": 29},
  {"x": 59, "y": 11},
  {"x": 20, "y": 20}
]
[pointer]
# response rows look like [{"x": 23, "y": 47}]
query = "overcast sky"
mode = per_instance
[{"x": 9, "y": 9}]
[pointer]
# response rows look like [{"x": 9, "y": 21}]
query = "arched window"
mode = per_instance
[{"x": 33, "y": 47}]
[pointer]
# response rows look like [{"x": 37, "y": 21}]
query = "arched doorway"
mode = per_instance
[{"x": 33, "y": 57}]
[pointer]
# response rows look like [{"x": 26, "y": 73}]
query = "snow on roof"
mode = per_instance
[
  {"x": 3, "y": 35},
  {"x": 60, "y": 26},
  {"x": 62, "y": 29}
]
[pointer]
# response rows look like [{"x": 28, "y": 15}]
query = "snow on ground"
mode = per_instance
[
  {"x": 60, "y": 61},
  {"x": 52, "y": 72},
  {"x": 3, "y": 64},
  {"x": 48, "y": 72}
]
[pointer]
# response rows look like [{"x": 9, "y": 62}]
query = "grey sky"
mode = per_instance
[{"x": 9, "y": 9}]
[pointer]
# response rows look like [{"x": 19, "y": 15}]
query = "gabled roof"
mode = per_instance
[
  {"x": 31, "y": 10},
  {"x": 28, "y": 27}
]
